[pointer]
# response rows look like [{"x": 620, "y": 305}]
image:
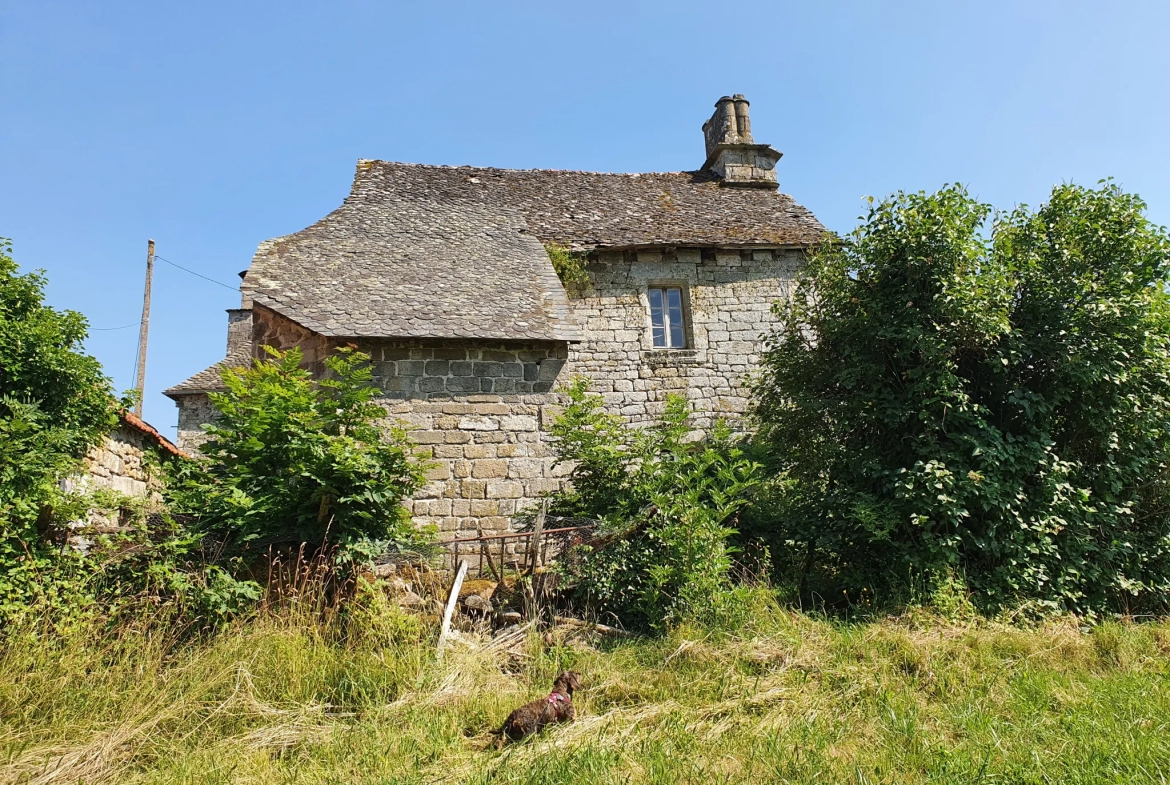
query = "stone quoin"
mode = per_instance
[{"x": 441, "y": 275}]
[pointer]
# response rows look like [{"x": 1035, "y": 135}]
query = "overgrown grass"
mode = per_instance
[{"x": 778, "y": 697}]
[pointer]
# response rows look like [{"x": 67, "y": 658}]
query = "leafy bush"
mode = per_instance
[
  {"x": 569, "y": 265},
  {"x": 936, "y": 401},
  {"x": 665, "y": 501},
  {"x": 55, "y": 403},
  {"x": 293, "y": 460}
]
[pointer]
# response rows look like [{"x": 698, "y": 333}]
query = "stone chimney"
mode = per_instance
[
  {"x": 239, "y": 337},
  {"x": 732, "y": 154}
]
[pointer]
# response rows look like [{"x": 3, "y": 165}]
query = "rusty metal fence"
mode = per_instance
[{"x": 517, "y": 552}]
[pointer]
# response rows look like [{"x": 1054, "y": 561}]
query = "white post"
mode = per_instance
[{"x": 450, "y": 609}]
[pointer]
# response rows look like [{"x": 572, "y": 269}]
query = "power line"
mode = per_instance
[
  {"x": 197, "y": 275},
  {"x": 123, "y": 327}
]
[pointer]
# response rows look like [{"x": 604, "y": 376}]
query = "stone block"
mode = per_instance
[
  {"x": 437, "y": 368},
  {"x": 411, "y": 368},
  {"x": 440, "y": 471},
  {"x": 488, "y": 369},
  {"x": 462, "y": 369},
  {"x": 477, "y": 451},
  {"x": 474, "y": 489},
  {"x": 542, "y": 485},
  {"x": 524, "y": 468},
  {"x": 518, "y": 422},
  {"x": 504, "y": 489},
  {"x": 489, "y": 468},
  {"x": 462, "y": 384},
  {"x": 550, "y": 370},
  {"x": 477, "y": 422},
  {"x": 484, "y": 507}
]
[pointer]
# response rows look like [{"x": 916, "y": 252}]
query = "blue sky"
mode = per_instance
[{"x": 212, "y": 126}]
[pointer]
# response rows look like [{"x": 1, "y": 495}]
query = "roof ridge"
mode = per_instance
[{"x": 370, "y": 161}]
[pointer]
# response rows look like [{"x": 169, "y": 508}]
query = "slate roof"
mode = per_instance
[
  {"x": 456, "y": 252},
  {"x": 420, "y": 251},
  {"x": 587, "y": 210},
  {"x": 415, "y": 258},
  {"x": 208, "y": 380}
]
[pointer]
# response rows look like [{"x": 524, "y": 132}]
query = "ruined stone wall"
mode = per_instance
[
  {"x": 120, "y": 464},
  {"x": 730, "y": 294}
]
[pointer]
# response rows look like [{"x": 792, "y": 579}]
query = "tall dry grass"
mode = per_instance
[{"x": 767, "y": 696}]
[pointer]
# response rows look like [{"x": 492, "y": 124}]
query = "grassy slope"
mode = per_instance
[{"x": 786, "y": 698}]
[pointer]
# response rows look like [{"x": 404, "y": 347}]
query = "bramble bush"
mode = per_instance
[
  {"x": 666, "y": 502},
  {"x": 294, "y": 460},
  {"x": 941, "y": 403}
]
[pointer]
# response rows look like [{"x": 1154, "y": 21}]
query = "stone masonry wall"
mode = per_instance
[
  {"x": 731, "y": 293},
  {"x": 119, "y": 463},
  {"x": 194, "y": 410},
  {"x": 480, "y": 410}
]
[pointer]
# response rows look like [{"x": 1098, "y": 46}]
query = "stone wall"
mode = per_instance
[
  {"x": 480, "y": 410},
  {"x": 121, "y": 463},
  {"x": 731, "y": 295},
  {"x": 195, "y": 409},
  {"x": 435, "y": 369},
  {"x": 272, "y": 329}
]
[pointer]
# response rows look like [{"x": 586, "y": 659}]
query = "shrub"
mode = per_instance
[
  {"x": 936, "y": 401},
  {"x": 293, "y": 460},
  {"x": 665, "y": 501},
  {"x": 55, "y": 403},
  {"x": 569, "y": 265}
]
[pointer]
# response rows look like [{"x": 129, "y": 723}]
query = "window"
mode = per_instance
[{"x": 666, "y": 317}]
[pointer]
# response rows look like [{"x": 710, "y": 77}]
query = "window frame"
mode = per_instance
[{"x": 684, "y": 310}]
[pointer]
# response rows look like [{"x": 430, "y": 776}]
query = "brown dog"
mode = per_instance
[{"x": 533, "y": 717}]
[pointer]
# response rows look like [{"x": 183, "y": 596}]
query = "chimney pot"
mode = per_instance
[{"x": 732, "y": 154}]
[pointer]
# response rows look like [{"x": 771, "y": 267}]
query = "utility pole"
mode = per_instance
[{"x": 140, "y": 382}]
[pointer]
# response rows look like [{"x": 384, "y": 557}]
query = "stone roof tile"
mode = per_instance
[
  {"x": 411, "y": 258},
  {"x": 457, "y": 252},
  {"x": 209, "y": 379}
]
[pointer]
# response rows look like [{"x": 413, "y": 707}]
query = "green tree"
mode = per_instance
[
  {"x": 291, "y": 459},
  {"x": 55, "y": 403},
  {"x": 938, "y": 402},
  {"x": 666, "y": 502}
]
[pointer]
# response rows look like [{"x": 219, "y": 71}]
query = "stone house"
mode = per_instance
[{"x": 441, "y": 275}]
